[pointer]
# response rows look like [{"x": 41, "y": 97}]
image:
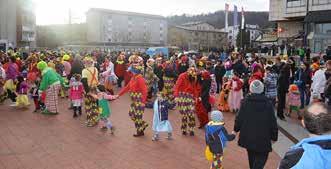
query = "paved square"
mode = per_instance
[{"x": 34, "y": 141}]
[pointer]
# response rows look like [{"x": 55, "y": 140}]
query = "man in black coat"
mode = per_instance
[
  {"x": 257, "y": 125},
  {"x": 219, "y": 71}
]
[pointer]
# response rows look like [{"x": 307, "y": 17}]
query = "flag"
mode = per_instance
[
  {"x": 235, "y": 16},
  {"x": 226, "y": 17},
  {"x": 242, "y": 18},
  {"x": 235, "y": 23}
]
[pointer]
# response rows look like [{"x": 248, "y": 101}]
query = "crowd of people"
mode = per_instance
[{"x": 205, "y": 87}]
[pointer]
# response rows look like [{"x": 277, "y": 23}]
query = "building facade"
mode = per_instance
[
  {"x": 307, "y": 21},
  {"x": 233, "y": 31},
  {"x": 17, "y": 23},
  {"x": 110, "y": 27},
  {"x": 197, "y": 36}
]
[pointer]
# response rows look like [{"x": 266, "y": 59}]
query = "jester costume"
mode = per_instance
[
  {"x": 138, "y": 93},
  {"x": 185, "y": 93},
  {"x": 151, "y": 79},
  {"x": 51, "y": 84},
  {"x": 169, "y": 77},
  {"x": 90, "y": 80}
]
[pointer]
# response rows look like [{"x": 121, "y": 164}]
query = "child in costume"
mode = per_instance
[
  {"x": 76, "y": 95},
  {"x": 224, "y": 95},
  {"x": 103, "y": 102},
  {"x": 22, "y": 88},
  {"x": 236, "y": 93},
  {"x": 34, "y": 91},
  {"x": 216, "y": 137},
  {"x": 160, "y": 118},
  {"x": 294, "y": 100}
]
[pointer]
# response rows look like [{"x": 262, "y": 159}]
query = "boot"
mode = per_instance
[
  {"x": 139, "y": 134},
  {"x": 75, "y": 110},
  {"x": 192, "y": 133},
  {"x": 80, "y": 110}
]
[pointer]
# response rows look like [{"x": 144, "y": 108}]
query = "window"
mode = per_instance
[
  {"x": 324, "y": 28},
  {"x": 230, "y": 37},
  {"x": 295, "y": 3}
]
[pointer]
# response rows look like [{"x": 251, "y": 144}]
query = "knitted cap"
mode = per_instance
[
  {"x": 256, "y": 87},
  {"x": 216, "y": 116}
]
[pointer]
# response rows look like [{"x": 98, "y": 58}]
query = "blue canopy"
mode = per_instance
[{"x": 157, "y": 50}]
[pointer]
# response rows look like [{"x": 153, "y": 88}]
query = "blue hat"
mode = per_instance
[{"x": 216, "y": 116}]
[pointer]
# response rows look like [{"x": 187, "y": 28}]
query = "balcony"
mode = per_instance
[{"x": 26, "y": 28}]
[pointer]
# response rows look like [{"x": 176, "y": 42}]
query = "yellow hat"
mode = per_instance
[{"x": 66, "y": 57}]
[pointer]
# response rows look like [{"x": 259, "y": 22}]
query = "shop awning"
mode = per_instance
[{"x": 318, "y": 16}]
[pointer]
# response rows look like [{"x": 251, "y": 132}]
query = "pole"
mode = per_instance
[
  {"x": 241, "y": 38},
  {"x": 306, "y": 24}
]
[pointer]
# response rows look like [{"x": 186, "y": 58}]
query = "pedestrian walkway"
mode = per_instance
[{"x": 35, "y": 141}]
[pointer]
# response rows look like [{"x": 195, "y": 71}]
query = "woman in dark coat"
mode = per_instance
[
  {"x": 282, "y": 88},
  {"x": 303, "y": 80},
  {"x": 257, "y": 125}
]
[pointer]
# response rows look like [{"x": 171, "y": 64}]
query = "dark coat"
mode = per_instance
[
  {"x": 283, "y": 82},
  {"x": 256, "y": 123},
  {"x": 219, "y": 72}
]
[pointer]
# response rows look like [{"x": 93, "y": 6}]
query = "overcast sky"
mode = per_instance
[{"x": 56, "y": 11}]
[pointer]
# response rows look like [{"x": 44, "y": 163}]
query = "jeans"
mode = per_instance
[
  {"x": 257, "y": 160},
  {"x": 304, "y": 97}
]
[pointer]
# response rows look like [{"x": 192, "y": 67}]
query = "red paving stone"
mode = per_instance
[{"x": 34, "y": 141}]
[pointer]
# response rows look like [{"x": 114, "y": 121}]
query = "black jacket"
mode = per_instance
[
  {"x": 283, "y": 82},
  {"x": 256, "y": 123},
  {"x": 219, "y": 72}
]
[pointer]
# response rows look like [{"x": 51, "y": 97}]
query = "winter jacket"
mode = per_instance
[
  {"x": 219, "y": 72},
  {"x": 270, "y": 83},
  {"x": 318, "y": 82},
  {"x": 256, "y": 123},
  {"x": 76, "y": 91},
  {"x": 283, "y": 82},
  {"x": 303, "y": 76},
  {"x": 312, "y": 153}
]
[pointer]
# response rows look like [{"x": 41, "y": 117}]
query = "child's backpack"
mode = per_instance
[
  {"x": 215, "y": 139},
  {"x": 215, "y": 143}
]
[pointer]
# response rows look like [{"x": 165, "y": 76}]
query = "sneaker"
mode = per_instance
[
  {"x": 103, "y": 128},
  {"x": 155, "y": 137},
  {"x": 112, "y": 130},
  {"x": 13, "y": 104},
  {"x": 169, "y": 136}
]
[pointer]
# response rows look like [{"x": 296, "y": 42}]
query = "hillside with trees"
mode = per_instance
[{"x": 218, "y": 18}]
